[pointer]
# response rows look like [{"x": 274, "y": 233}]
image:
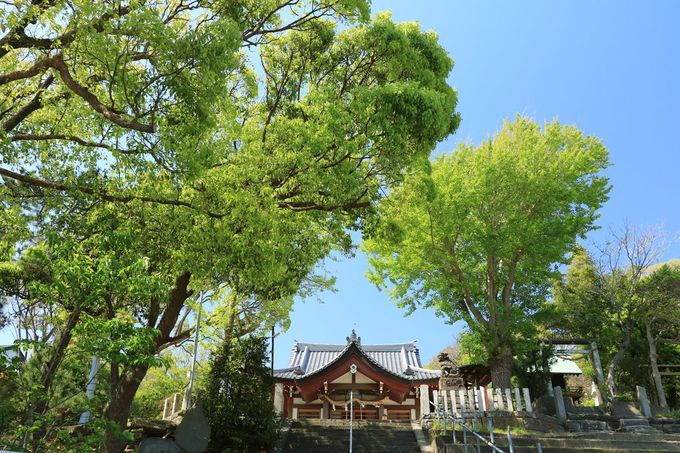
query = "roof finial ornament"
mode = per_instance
[{"x": 353, "y": 338}]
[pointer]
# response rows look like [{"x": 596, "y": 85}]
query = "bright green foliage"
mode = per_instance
[
  {"x": 237, "y": 397},
  {"x": 155, "y": 149},
  {"x": 479, "y": 234}
]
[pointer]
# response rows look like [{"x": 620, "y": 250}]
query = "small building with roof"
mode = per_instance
[{"x": 377, "y": 381}]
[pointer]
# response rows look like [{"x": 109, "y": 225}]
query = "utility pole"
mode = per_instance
[
  {"x": 192, "y": 377},
  {"x": 89, "y": 390}
]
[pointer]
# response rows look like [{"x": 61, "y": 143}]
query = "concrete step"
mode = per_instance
[
  {"x": 572, "y": 443},
  {"x": 333, "y": 436}
]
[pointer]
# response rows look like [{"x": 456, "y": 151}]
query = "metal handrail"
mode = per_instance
[
  {"x": 459, "y": 418},
  {"x": 466, "y": 428}
]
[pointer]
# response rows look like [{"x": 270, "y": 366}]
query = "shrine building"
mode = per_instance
[{"x": 380, "y": 381}]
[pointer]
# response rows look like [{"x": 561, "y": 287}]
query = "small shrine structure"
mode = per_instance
[{"x": 379, "y": 381}]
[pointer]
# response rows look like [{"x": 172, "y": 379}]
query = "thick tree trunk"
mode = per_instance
[
  {"x": 655, "y": 366},
  {"x": 118, "y": 408},
  {"x": 501, "y": 367},
  {"x": 124, "y": 388}
]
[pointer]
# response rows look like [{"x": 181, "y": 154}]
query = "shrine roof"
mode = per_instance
[{"x": 401, "y": 359}]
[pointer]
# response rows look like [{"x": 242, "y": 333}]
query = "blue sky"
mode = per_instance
[{"x": 612, "y": 68}]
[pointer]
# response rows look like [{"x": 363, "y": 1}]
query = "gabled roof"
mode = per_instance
[{"x": 401, "y": 360}]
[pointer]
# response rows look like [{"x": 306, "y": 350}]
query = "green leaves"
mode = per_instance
[
  {"x": 119, "y": 342},
  {"x": 169, "y": 148},
  {"x": 479, "y": 235}
]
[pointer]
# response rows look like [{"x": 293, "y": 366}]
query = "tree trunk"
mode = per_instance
[
  {"x": 124, "y": 388},
  {"x": 655, "y": 366},
  {"x": 118, "y": 409},
  {"x": 57, "y": 356},
  {"x": 613, "y": 365},
  {"x": 41, "y": 405},
  {"x": 501, "y": 367}
]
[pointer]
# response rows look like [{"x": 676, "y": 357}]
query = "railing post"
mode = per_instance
[
  {"x": 510, "y": 446},
  {"x": 499, "y": 399},
  {"x": 481, "y": 397},
  {"x": 461, "y": 395},
  {"x": 508, "y": 399},
  {"x": 465, "y": 439},
  {"x": 527, "y": 399},
  {"x": 518, "y": 400}
]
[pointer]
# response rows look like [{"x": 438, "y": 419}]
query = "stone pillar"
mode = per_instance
[
  {"x": 381, "y": 412},
  {"x": 551, "y": 391},
  {"x": 424, "y": 400},
  {"x": 295, "y": 413},
  {"x": 644, "y": 401},
  {"x": 560, "y": 410},
  {"x": 278, "y": 399}
]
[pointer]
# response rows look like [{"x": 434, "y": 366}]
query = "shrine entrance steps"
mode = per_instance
[
  {"x": 332, "y": 436},
  {"x": 612, "y": 442}
]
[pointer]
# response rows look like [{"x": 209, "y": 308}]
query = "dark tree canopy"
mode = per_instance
[{"x": 237, "y": 397}]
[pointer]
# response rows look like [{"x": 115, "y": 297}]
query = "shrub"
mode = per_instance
[{"x": 237, "y": 397}]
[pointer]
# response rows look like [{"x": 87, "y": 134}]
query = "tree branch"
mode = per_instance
[
  {"x": 33, "y": 105},
  {"x": 106, "y": 111}
]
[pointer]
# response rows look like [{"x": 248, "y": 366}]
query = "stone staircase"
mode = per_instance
[
  {"x": 332, "y": 436},
  {"x": 614, "y": 442}
]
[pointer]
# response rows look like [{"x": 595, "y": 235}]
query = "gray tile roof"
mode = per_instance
[{"x": 402, "y": 360}]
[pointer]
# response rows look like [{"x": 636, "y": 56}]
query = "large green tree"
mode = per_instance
[
  {"x": 479, "y": 233},
  {"x": 160, "y": 148}
]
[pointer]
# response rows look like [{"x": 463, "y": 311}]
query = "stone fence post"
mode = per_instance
[{"x": 644, "y": 401}]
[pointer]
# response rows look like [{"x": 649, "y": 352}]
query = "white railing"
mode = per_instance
[
  {"x": 175, "y": 404},
  {"x": 482, "y": 399}
]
